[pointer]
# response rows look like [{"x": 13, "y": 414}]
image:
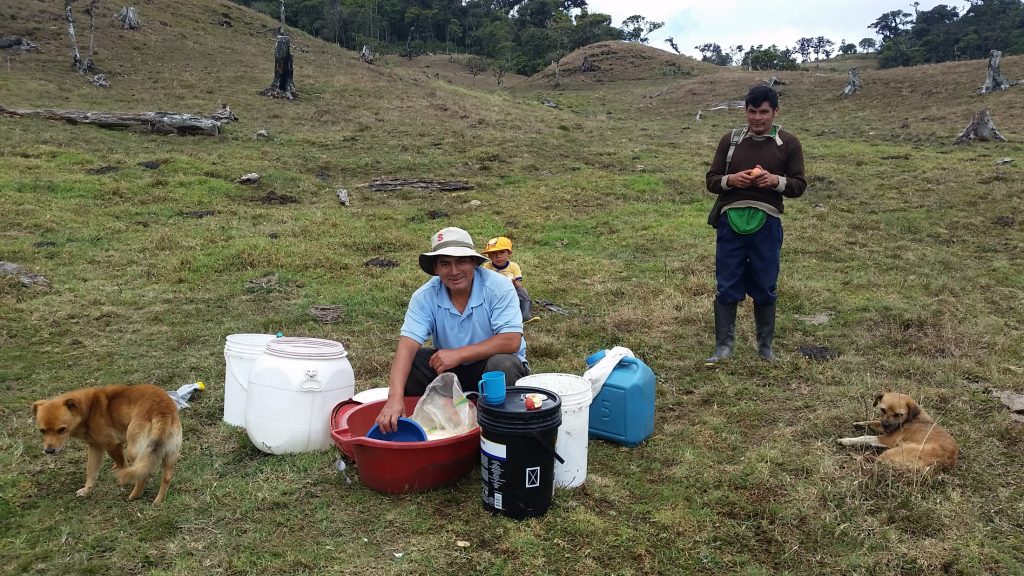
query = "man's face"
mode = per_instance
[
  {"x": 499, "y": 258},
  {"x": 455, "y": 272},
  {"x": 760, "y": 119}
]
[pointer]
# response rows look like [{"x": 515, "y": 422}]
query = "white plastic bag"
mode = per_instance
[
  {"x": 600, "y": 372},
  {"x": 444, "y": 410}
]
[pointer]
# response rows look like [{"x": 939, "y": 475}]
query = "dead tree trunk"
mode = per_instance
[
  {"x": 91, "y": 11},
  {"x": 981, "y": 128},
  {"x": 282, "y": 86},
  {"x": 853, "y": 85},
  {"x": 129, "y": 18},
  {"x": 156, "y": 122},
  {"x": 994, "y": 79},
  {"x": 77, "y": 57},
  {"x": 367, "y": 54},
  {"x": 558, "y": 73}
]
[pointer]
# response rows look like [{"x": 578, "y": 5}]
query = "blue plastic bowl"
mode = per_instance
[{"x": 407, "y": 431}]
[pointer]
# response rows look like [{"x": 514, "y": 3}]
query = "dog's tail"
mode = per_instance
[{"x": 159, "y": 442}]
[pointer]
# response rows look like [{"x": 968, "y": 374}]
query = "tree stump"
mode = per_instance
[
  {"x": 854, "y": 83},
  {"x": 981, "y": 128},
  {"x": 129, "y": 18},
  {"x": 587, "y": 65},
  {"x": 282, "y": 86},
  {"x": 994, "y": 79},
  {"x": 366, "y": 55}
]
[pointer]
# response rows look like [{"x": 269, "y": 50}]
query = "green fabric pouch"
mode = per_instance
[{"x": 746, "y": 220}]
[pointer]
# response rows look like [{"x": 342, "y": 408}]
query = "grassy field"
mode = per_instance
[{"x": 910, "y": 247}]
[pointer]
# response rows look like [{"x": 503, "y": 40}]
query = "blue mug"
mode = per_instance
[{"x": 492, "y": 387}]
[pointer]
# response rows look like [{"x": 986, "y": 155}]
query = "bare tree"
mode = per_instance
[
  {"x": 477, "y": 65},
  {"x": 91, "y": 11},
  {"x": 76, "y": 56}
]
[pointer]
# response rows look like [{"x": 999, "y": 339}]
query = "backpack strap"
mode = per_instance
[{"x": 737, "y": 135}]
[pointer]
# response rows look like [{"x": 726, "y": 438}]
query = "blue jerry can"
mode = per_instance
[{"x": 623, "y": 411}]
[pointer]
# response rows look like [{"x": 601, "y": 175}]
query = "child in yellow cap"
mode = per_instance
[{"x": 499, "y": 250}]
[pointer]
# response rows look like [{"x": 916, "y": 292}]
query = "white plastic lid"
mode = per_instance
[{"x": 306, "y": 348}]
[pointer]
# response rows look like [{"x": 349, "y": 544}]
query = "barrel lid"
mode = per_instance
[
  {"x": 513, "y": 409},
  {"x": 306, "y": 348}
]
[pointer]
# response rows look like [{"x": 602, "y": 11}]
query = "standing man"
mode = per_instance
[
  {"x": 753, "y": 170},
  {"x": 472, "y": 316}
]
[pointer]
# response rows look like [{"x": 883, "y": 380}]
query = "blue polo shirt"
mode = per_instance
[{"x": 493, "y": 309}]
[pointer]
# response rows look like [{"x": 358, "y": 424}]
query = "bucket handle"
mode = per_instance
[
  {"x": 312, "y": 383},
  {"x": 234, "y": 372},
  {"x": 548, "y": 449},
  {"x": 343, "y": 436}
]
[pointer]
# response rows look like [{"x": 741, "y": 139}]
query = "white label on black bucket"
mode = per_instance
[
  {"x": 497, "y": 500},
  {"x": 493, "y": 449},
  {"x": 533, "y": 477}
]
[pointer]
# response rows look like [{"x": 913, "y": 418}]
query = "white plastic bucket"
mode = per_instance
[
  {"x": 240, "y": 352},
  {"x": 293, "y": 387},
  {"x": 573, "y": 434}
]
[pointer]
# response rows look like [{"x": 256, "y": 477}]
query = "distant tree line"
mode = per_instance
[
  {"x": 521, "y": 36},
  {"x": 943, "y": 34},
  {"x": 925, "y": 37}
]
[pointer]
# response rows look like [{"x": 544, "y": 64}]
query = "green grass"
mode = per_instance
[{"x": 604, "y": 198}]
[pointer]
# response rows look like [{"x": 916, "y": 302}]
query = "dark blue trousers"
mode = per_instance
[{"x": 748, "y": 264}]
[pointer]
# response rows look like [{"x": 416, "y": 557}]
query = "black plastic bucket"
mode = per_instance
[{"x": 517, "y": 453}]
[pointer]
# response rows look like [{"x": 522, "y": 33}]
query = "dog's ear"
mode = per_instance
[
  {"x": 913, "y": 410},
  {"x": 36, "y": 405},
  {"x": 878, "y": 398},
  {"x": 70, "y": 403}
]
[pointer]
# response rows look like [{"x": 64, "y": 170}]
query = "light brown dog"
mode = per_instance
[
  {"x": 910, "y": 435},
  {"x": 137, "y": 426}
]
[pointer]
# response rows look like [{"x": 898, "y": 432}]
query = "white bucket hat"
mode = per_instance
[{"x": 449, "y": 242}]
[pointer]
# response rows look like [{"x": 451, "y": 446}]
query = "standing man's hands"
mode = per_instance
[{"x": 755, "y": 177}]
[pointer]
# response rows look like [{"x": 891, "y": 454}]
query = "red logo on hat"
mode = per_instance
[{"x": 440, "y": 236}]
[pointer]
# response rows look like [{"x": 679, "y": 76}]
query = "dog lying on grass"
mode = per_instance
[
  {"x": 137, "y": 426},
  {"x": 911, "y": 436}
]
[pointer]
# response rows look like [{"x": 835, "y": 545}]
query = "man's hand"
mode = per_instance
[
  {"x": 445, "y": 360},
  {"x": 388, "y": 418},
  {"x": 740, "y": 179},
  {"x": 766, "y": 180}
]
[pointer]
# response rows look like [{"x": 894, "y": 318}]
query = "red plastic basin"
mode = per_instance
[{"x": 401, "y": 467}]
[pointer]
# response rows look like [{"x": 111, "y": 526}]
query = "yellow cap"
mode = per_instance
[{"x": 498, "y": 244}]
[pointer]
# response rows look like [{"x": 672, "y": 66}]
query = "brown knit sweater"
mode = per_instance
[{"x": 786, "y": 161}]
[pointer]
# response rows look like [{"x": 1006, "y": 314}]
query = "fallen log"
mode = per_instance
[
  {"x": 389, "y": 184},
  {"x": 17, "y": 43},
  {"x": 155, "y": 122}
]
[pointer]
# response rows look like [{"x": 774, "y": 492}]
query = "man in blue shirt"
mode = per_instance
[{"x": 471, "y": 315}]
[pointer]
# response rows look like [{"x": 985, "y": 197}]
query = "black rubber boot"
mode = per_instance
[
  {"x": 764, "y": 322},
  {"x": 725, "y": 324}
]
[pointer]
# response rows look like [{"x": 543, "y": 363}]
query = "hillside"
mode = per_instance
[
  {"x": 620, "y": 62},
  {"x": 901, "y": 271}
]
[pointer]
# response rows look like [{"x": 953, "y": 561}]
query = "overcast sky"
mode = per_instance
[{"x": 753, "y": 22}]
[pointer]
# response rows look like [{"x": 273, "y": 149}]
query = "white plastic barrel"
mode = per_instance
[
  {"x": 240, "y": 352},
  {"x": 293, "y": 386},
  {"x": 573, "y": 434}
]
